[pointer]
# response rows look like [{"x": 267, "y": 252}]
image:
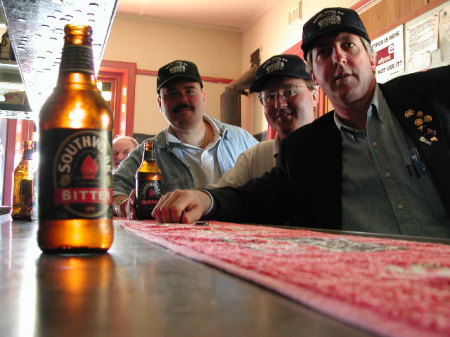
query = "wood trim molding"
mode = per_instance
[
  {"x": 125, "y": 92},
  {"x": 9, "y": 161},
  {"x": 17, "y": 131}
]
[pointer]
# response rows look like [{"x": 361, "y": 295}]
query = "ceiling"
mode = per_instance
[{"x": 226, "y": 14}]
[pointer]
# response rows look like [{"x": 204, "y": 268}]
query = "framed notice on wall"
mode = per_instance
[
  {"x": 390, "y": 55},
  {"x": 444, "y": 34},
  {"x": 421, "y": 41}
]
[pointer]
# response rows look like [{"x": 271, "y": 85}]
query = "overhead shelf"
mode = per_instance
[{"x": 36, "y": 29}]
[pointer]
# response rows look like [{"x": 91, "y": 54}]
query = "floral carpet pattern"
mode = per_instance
[{"x": 390, "y": 287}]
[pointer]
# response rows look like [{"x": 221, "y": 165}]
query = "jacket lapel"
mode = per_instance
[
  {"x": 426, "y": 132},
  {"x": 325, "y": 170}
]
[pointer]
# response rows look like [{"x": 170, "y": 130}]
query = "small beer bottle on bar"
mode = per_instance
[
  {"x": 24, "y": 175},
  {"x": 148, "y": 184},
  {"x": 75, "y": 185}
]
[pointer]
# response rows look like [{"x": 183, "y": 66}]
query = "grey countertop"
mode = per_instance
[{"x": 138, "y": 289}]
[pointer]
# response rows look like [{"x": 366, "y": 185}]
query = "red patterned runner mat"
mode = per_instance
[{"x": 390, "y": 287}]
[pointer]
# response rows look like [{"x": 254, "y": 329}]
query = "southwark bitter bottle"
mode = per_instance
[
  {"x": 75, "y": 194},
  {"x": 24, "y": 175},
  {"x": 148, "y": 184}
]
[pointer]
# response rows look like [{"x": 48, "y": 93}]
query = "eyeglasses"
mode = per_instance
[{"x": 269, "y": 97}]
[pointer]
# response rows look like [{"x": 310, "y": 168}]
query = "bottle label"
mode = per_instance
[
  {"x": 75, "y": 174},
  {"x": 149, "y": 194},
  {"x": 26, "y": 192}
]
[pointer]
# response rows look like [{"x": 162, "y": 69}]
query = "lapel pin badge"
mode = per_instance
[{"x": 427, "y": 135}]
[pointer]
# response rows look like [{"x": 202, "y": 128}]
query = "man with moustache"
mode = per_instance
[
  {"x": 289, "y": 97},
  {"x": 193, "y": 151},
  {"x": 379, "y": 162}
]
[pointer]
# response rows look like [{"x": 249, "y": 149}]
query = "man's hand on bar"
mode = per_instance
[
  {"x": 125, "y": 206},
  {"x": 182, "y": 206}
]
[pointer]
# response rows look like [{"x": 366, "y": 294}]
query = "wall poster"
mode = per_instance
[
  {"x": 390, "y": 55},
  {"x": 444, "y": 34},
  {"x": 421, "y": 40}
]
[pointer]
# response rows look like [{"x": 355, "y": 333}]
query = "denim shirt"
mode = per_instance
[{"x": 176, "y": 174}]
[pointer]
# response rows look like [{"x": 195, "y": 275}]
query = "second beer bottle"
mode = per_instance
[
  {"x": 148, "y": 184},
  {"x": 24, "y": 176},
  {"x": 75, "y": 185}
]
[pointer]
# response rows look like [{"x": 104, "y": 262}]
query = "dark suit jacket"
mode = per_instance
[{"x": 305, "y": 187}]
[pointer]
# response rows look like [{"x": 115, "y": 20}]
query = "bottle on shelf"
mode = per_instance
[
  {"x": 148, "y": 184},
  {"x": 74, "y": 175},
  {"x": 6, "y": 50},
  {"x": 24, "y": 179}
]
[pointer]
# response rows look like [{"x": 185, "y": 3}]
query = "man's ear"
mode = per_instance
[
  {"x": 373, "y": 62},
  {"x": 204, "y": 96},
  {"x": 158, "y": 99},
  {"x": 314, "y": 77},
  {"x": 315, "y": 97}
]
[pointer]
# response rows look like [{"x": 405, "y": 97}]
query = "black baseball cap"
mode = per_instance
[
  {"x": 178, "y": 68},
  {"x": 331, "y": 20},
  {"x": 284, "y": 65}
]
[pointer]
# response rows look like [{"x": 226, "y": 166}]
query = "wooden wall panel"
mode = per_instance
[{"x": 388, "y": 14}]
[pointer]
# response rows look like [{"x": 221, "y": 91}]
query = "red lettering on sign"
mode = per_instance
[
  {"x": 385, "y": 54},
  {"x": 67, "y": 196}
]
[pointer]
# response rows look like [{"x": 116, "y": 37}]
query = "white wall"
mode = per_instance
[
  {"x": 150, "y": 45},
  {"x": 217, "y": 53}
]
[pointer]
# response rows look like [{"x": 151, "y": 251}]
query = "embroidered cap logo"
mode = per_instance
[
  {"x": 276, "y": 64},
  {"x": 178, "y": 67}
]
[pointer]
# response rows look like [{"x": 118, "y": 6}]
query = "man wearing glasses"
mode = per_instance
[
  {"x": 378, "y": 163},
  {"x": 289, "y": 97}
]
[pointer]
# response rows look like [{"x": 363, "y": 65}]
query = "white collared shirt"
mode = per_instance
[{"x": 202, "y": 163}]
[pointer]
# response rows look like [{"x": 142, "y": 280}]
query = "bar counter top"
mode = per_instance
[{"x": 138, "y": 289}]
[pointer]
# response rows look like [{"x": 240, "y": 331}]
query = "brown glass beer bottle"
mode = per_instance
[
  {"x": 24, "y": 174},
  {"x": 75, "y": 194},
  {"x": 148, "y": 184},
  {"x": 6, "y": 50}
]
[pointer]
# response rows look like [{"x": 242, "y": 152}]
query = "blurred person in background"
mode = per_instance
[{"x": 122, "y": 146}]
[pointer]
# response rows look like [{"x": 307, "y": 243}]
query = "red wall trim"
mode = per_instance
[
  {"x": 147, "y": 72},
  {"x": 216, "y": 80},
  {"x": 127, "y": 72},
  {"x": 17, "y": 131},
  {"x": 357, "y": 6},
  {"x": 9, "y": 161},
  {"x": 296, "y": 49}
]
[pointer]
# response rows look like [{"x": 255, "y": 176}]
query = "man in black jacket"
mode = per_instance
[{"x": 379, "y": 162}]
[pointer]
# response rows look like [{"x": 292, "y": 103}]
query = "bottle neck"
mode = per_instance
[
  {"x": 28, "y": 154},
  {"x": 149, "y": 156},
  {"x": 77, "y": 65}
]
